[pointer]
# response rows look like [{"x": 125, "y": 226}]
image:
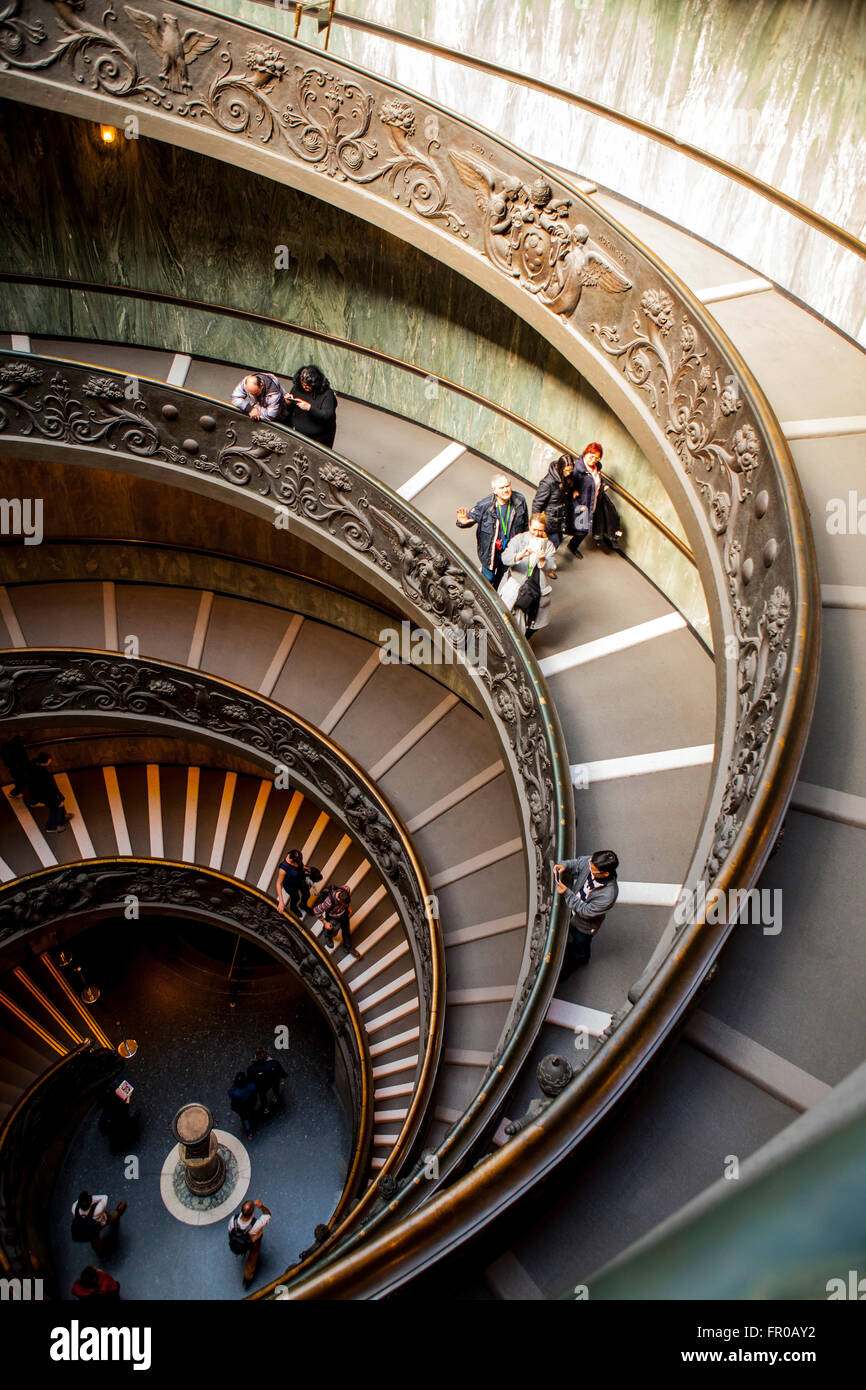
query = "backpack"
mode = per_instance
[
  {"x": 84, "y": 1228},
  {"x": 239, "y": 1241}
]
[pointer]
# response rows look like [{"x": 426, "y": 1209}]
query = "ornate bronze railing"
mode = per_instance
[
  {"x": 347, "y": 345},
  {"x": 73, "y": 412},
  {"x": 32, "y": 1136},
  {"x": 72, "y": 684},
  {"x": 89, "y": 889},
  {"x": 530, "y": 238}
]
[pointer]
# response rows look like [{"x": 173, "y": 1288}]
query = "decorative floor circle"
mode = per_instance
[{"x": 204, "y": 1211}]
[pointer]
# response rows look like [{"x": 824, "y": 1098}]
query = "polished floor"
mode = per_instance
[{"x": 170, "y": 995}]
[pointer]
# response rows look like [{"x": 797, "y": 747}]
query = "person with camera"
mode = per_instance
[
  {"x": 333, "y": 909},
  {"x": 589, "y": 886},
  {"x": 311, "y": 406}
]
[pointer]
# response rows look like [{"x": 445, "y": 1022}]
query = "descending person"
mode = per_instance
[
  {"x": 242, "y": 1096},
  {"x": 93, "y": 1222},
  {"x": 260, "y": 396},
  {"x": 15, "y": 756},
  {"x": 554, "y": 497},
  {"x": 246, "y": 1229},
  {"x": 590, "y": 888},
  {"x": 586, "y": 490},
  {"x": 267, "y": 1075},
  {"x": 524, "y": 589},
  {"x": 334, "y": 908},
  {"x": 41, "y": 790},
  {"x": 311, "y": 406},
  {"x": 294, "y": 880},
  {"x": 503, "y": 513}
]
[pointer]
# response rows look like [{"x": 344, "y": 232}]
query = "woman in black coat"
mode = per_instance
[
  {"x": 554, "y": 497},
  {"x": 311, "y": 406}
]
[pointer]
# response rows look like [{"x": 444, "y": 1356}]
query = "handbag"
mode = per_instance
[
  {"x": 313, "y": 876},
  {"x": 529, "y": 593}
]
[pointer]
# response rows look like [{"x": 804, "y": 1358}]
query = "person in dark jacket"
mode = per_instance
[
  {"x": 499, "y": 516},
  {"x": 586, "y": 489},
  {"x": 243, "y": 1096},
  {"x": 42, "y": 790},
  {"x": 554, "y": 497},
  {"x": 294, "y": 878},
  {"x": 17, "y": 759},
  {"x": 267, "y": 1075},
  {"x": 311, "y": 406},
  {"x": 95, "y": 1283},
  {"x": 590, "y": 889},
  {"x": 606, "y": 525},
  {"x": 118, "y": 1121},
  {"x": 260, "y": 396}
]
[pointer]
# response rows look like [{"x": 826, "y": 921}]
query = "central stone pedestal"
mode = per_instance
[{"x": 203, "y": 1165}]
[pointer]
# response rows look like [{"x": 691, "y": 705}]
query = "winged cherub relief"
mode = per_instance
[
  {"x": 528, "y": 236},
  {"x": 165, "y": 39}
]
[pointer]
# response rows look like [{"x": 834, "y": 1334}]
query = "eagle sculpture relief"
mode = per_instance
[{"x": 176, "y": 53}]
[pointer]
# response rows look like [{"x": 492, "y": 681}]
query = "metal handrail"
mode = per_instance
[
  {"x": 127, "y": 866},
  {"x": 610, "y": 113},
  {"x": 376, "y": 354},
  {"x": 11, "y": 1155},
  {"x": 682, "y": 388},
  {"x": 180, "y": 431},
  {"x": 166, "y": 691}
]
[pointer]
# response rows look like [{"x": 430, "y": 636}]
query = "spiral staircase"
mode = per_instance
[{"x": 619, "y": 716}]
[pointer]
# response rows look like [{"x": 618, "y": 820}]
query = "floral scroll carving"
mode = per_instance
[
  {"x": 701, "y": 409},
  {"x": 316, "y": 115},
  {"x": 72, "y": 890},
  {"x": 54, "y": 682}
]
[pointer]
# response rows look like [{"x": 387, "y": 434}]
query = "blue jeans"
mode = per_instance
[{"x": 493, "y": 576}]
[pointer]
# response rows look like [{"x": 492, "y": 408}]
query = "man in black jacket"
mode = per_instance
[{"x": 503, "y": 513}]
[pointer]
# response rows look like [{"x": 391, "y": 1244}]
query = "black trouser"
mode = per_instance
[
  {"x": 297, "y": 897},
  {"x": 334, "y": 927},
  {"x": 578, "y": 950}
]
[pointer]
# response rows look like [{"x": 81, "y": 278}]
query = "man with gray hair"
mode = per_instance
[
  {"x": 503, "y": 513},
  {"x": 260, "y": 396}
]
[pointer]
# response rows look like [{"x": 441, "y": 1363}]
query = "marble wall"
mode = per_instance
[
  {"x": 154, "y": 217},
  {"x": 777, "y": 87}
]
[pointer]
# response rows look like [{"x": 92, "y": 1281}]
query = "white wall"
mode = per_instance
[{"x": 775, "y": 86}]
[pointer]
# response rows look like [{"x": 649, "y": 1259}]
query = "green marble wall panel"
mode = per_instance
[{"x": 145, "y": 215}]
